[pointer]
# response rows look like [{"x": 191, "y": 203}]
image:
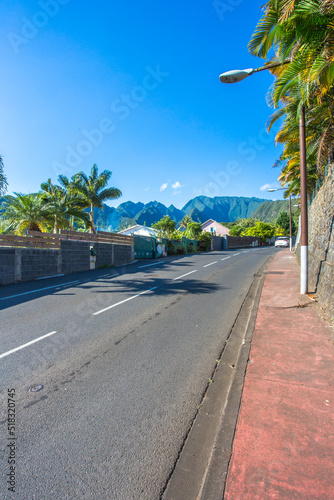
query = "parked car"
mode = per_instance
[{"x": 282, "y": 241}]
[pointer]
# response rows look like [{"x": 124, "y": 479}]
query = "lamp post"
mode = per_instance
[
  {"x": 239, "y": 75},
  {"x": 290, "y": 215}
]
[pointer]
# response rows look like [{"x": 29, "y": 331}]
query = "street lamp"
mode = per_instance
[
  {"x": 239, "y": 75},
  {"x": 280, "y": 189}
]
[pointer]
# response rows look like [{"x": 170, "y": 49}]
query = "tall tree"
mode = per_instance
[
  {"x": 302, "y": 32},
  {"x": 185, "y": 221},
  {"x": 63, "y": 205},
  {"x": 193, "y": 231},
  {"x": 283, "y": 221},
  {"x": 93, "y": 191},
  {"x": 166, "y": 226}
]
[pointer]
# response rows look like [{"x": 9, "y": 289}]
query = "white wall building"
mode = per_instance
[{"x": 140, "y": 231}]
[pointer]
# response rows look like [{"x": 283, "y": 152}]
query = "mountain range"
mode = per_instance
[{"x": 200, "y": 209}]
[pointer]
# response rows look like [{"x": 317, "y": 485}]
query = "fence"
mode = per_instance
[
  {"x": 36, "y": 255},
  {"x": 36, "y": 239},
  {"x": 8, "y": 240},
  {"x": 242, "y": 241},
  {"x": 146, "y": 246},
  {"x": 99, "y": 237}
]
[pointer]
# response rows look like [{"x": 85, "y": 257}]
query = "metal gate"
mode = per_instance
[{"x": 145, "y": 247}]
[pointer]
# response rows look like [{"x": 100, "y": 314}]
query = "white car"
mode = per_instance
[{"x": 282, "y": 241}]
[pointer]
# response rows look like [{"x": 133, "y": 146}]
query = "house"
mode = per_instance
[
  {"x": 213, "y": 227},
  {"x": 139, "y": 230}
]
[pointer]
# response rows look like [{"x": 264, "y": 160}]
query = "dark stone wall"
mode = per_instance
[
  {"x": 104, "y": 254},
  {"x": 242, "y": 241},
  {"x": 75, "y": 256},
  {"x": 37, "y": 262},
  {"x": 7, "y": 265},
  {"x": 122, "y": 254},
  {"x": 24, "y": 264},
  {"x": 321, "y": 244}
]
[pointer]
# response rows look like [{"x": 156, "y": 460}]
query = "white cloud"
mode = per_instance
[
  {"x": 147, "y": 188},
  {"x": 164, "y": 186},
  {"x": 268, "y": 186},
  {"x": 176, "y": 185}
]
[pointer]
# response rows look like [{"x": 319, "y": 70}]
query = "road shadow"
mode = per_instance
[{"x": 127, "y": 279}]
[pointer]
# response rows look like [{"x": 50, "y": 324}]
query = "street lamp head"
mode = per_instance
[{"x": 236, "y": 75}]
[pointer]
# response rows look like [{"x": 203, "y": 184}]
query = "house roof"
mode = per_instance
[
  {"x": 210, "y": 221},
  {"x": 137, "y": 226}
]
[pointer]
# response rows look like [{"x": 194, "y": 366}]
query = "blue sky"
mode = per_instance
[{"x": 134, "y": 87}]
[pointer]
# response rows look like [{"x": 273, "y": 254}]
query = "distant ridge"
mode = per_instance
[
  {"x": 269, "y": 210},
  {"x": 200, "y": 209}
]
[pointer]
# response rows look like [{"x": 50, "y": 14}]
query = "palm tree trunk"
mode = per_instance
[{"x": 91, "y": 216}]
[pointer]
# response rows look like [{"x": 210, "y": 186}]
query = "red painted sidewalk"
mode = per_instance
[{"x": 284, "y": 441}]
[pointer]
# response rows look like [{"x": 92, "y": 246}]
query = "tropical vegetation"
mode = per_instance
[
  {"x": 166, "y": 227},
  {"x": 26, "y": 212},
  {"x": 254, "y": 227},
  {"x": 193, "y": 231},
  {"x": 283, "y": 222},
  {"x": 177, "y": 241},
  {"x": 262, "y": 230},
  {"x": 93, "y": 191},
  {"x": 67, "y": 205},
  {"x": 299, "y": 36}
]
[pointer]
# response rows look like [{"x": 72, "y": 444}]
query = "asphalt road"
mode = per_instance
[{"x": 124, "y": 356}]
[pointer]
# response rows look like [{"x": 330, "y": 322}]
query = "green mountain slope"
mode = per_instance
[
  {"x": 269, "y": 210},
  {"x": 226, "y": 208}
]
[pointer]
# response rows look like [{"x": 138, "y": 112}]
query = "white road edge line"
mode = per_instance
[
  {"x": 26, "y": 345},
  {"x": 215, "y": 262},
  {"x": 149, "y": 265},
  {"x": 122, "y": 301},
  {"x": 234, "y": 255},
  {"x": 40, "y": 290},
  {"x": 183, "y": 275},
  {"x": 226, "y": 258}
]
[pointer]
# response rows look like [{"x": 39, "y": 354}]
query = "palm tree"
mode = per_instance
[
  {"x": 26, "y": 212},
  {"x": 185, "y": 221},
  {"x": 302, "y": 32},
  {"x": 92, "y": 192},
  {"x": 3, "y": 179},
  {"x": 64, "y": 205}
]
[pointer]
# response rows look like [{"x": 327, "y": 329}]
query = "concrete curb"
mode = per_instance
[{"x": 201, "y": 469}]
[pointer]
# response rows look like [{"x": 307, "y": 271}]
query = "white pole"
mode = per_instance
[{"x": 303, "y": 269}]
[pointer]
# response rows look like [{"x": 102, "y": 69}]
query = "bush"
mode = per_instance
[
  {"x": 193, "y": 231},
  {"x": 170, "y": 248},
  {"x": 180, "y": 251},
  {"x": 204, "y": 242}
]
